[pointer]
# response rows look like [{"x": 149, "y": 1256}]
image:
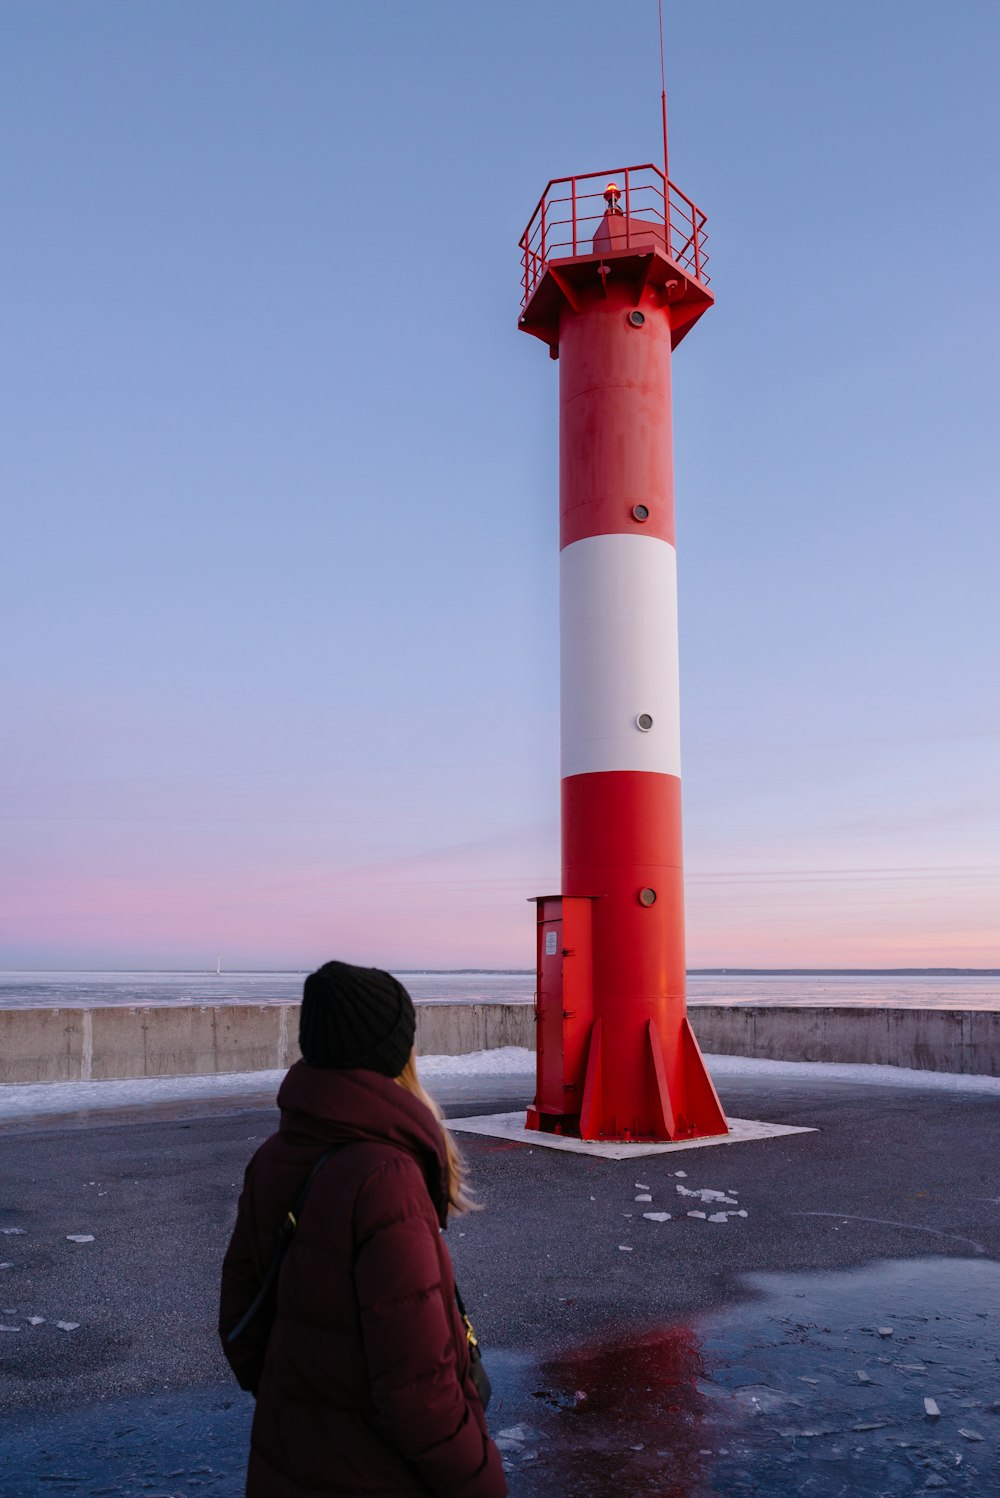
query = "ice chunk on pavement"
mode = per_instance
[
  {"x": 657, "y": 1216},
  {"x": 512, "y": 1433},
  {"x": 681, "y": 1173},
  {"x": 36, "y": 1320},
  {"x": 931, "y": 1409},
  {"x": 697, "y": 1214},
  {"x": 641, "y": 1186},
  {"x": 67, "y": 1326},
  {"x": 512, "y": 1439},
  {"x": 9, "y": 1328},
  {"x": 624, "y": 1248},
  {"x": 862, "y": 1376},
  {"x": 717, "y": 1217},
  {"x": 644, "y": 1198},
  {"x": 706, "y": 1194},
  {"x": 885, "y": 1331},
  {"x": 6, "y": 1266},
  {"x": 970, "y": 1435},
  {"x": 79, "y": 1237},
  {"x": 13, "y": 1232}
]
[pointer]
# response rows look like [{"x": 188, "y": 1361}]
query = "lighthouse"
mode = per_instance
[{"x": 614, "y": 276}]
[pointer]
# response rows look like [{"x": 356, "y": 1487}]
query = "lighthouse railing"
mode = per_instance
[{"x": 571, "y": 211}]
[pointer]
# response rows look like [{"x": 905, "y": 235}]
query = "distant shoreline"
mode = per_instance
[
  {"x": 437, "y": 972},
  {"x": 843, "y": 972}
]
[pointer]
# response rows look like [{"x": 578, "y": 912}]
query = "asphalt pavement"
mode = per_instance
[{"x": 782, "y": 1341}]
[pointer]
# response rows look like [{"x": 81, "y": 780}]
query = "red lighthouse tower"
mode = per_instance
[{"x": 613, "y": 277}]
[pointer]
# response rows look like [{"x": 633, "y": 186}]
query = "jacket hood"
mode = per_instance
[{"x": 363, "y": 1107}]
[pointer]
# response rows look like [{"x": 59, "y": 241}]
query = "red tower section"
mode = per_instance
[{"x": 614, "y": 276}]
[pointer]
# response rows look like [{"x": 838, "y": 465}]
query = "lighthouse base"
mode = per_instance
[
  {"x": 634, "y": 1072},
  {"x": 511, "y": 1128},
  {"x": 682, "y": 1106}
]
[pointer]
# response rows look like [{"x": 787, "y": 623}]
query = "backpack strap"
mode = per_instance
[{"x": 289, "y": 1223}]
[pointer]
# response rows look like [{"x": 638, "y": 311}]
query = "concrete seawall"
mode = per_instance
[
  {"x": 71, "y": 1045},
  {"x": 64, "y": 1045},
  {"x": 952, "y": 1040}
]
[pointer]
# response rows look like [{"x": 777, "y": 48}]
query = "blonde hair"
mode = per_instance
[{"x": 459, "y": 1192}]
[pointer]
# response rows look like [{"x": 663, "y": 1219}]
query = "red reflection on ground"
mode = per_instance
[{"x": 626, "y": 1418}]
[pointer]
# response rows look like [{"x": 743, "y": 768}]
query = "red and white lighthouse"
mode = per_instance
[{"x": 613, "y": 278}]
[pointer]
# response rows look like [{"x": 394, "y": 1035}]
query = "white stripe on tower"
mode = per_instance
[{"x": 618, "y": 633}]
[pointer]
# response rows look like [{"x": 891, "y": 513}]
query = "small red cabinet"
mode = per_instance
[{"x": 564, "y": 1011}]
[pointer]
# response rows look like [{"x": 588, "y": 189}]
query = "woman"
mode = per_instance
[{"x": 360, "y": 1363}]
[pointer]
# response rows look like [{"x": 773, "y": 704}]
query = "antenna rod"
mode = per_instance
[{"x": 663, "y": 102}]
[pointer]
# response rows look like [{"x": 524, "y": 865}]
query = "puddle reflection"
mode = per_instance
[
  {"x": 608, "y": 1419},
  {"x": 817, "y": 1388}
]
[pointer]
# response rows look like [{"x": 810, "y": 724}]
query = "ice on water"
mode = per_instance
[{"x": 20, "y": 990}]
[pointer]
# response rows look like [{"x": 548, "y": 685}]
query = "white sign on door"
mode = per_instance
[{"x": 550, "y": 943}]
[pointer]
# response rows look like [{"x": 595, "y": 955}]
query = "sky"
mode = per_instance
[{"x": 278, "y": 476}]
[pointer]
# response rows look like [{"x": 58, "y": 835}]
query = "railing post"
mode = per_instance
[
  {"x": 628, "y": 212},
  {"x": 543, "y": 232},
  {"x": 696, "y": 232},
  {"x": 573, "y": 196}
]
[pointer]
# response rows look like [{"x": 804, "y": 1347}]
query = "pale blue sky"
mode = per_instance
[{"x": 279, "y": 475}]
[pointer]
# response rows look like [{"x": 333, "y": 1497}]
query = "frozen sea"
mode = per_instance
[{"x": 926, "y": 990}]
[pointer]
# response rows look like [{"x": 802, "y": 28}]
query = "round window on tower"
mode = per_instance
[
  {"x": 637, "y": 318},
  {"x": 647, "y": 897},
  {"x": 640, "y": 512},
  {"x": 644, "y": 722}
]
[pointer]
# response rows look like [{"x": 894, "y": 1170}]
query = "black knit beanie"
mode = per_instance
[{"x": 356, "y": 1017}]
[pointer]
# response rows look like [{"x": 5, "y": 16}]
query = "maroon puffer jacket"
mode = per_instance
[{"x": 363, "y": 1384}]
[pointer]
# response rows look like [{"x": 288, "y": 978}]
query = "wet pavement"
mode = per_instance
[
  {"x": 149, "y": 1446},
  {"x": 773, "y": 1326},
  {"x": 815, "y": 1387}
]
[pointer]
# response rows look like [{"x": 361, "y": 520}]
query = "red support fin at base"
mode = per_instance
[
  {"x": 591, "y": 1106},
  {"x": 705, "y": 1115}
]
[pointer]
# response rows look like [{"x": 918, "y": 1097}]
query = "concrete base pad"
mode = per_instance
[{"x": 511, "y": 1126}]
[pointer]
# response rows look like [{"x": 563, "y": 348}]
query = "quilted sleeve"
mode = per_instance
[{"x": 409, "y": 1338}]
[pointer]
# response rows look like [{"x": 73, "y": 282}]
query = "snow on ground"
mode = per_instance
[
  {"x": 505, "y": 1061},
  {"x": 842, "y": 1071},
  {"x": 19, "y": 1100}
]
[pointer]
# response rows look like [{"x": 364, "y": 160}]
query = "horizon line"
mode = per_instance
[{"x": 693, "y": 972}]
